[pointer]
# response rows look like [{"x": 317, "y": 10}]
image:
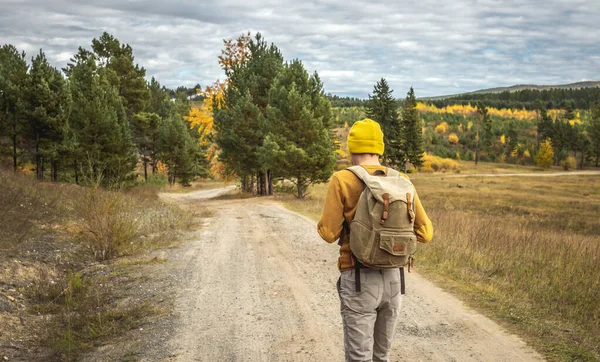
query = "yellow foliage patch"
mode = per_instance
[
  {"x": 162, "y": 168},
  {"x": 434, "y": 163},
  {"x": 453, "y": 138},
  {"x": 202, "y": 117},
  {"x": 520, "y": 114},
  {"x": 545, "y": 155},
  {"x": 442, "y": 127}
]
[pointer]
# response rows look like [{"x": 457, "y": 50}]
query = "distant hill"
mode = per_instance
[{"x": 520, "y": 87}]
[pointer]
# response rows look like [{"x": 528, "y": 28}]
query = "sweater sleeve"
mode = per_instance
[
  {"x": 423, "y": 227},
  {"x": 332, "y": 218}
]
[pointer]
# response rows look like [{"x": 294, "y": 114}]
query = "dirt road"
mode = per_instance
[{"x": 258, "y": 284}]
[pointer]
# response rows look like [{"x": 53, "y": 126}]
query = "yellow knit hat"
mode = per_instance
[{"x": 366, "y": 137}]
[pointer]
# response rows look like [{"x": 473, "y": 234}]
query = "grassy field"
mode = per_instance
[{"x": 523, "y": 250}]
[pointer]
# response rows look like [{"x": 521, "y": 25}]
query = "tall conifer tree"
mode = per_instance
[
  {"x": 412, "y": 130},
  {"x": 126, "y": 76},
  {"x": 382, "y": 108},
  {"x": 594, "y": 131},
  {"x": 13, "y": 82},
  {"x": 298, "y": 145},
  {"x": 49, "y": 106},
  {"x": 239, "y": 121},
  {"x": 103, "y": 145}
]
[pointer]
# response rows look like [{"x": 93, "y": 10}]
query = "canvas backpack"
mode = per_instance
[{"x": 381, "y": 233}]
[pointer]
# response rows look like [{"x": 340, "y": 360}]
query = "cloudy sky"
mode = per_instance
[{"x": 438, "y": 47}]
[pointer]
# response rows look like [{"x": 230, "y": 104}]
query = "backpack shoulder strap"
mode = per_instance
[
  {"x": 392, "y": 172},
  {"x": 360, "y": 172}
]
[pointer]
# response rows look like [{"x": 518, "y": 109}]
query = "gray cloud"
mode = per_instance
[{"x": 436, "y": 47}]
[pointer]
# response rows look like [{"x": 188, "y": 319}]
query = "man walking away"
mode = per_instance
[{"x": 371, "y": 296}]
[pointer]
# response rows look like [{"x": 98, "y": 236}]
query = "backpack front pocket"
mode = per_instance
[
  {"x": 362, "y": 240},
  {"x": 398, "y": 244}
]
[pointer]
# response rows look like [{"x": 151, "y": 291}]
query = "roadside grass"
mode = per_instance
[
  {"x": 312, "y": 204},
  {"x": 67, "y": 254},
  {"x": 85, "y": 310},
  {"x": 204, "y": 184},
  {"x": 469, "y": 167},
  {"x": 523, "y": 250}
]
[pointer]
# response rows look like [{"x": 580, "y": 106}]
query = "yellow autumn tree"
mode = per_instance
[
  {"x": 545, "y": 155},
  {"x": 234, "y": 52},
  {"x": 202, "y": 116},
  {"x": 453, "y": 138},
  {"x": 465, "y": 110},
  {"x": 442, "y": 127}
]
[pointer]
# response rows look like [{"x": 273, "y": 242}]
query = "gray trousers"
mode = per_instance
[{"x": 369, "y": 316}]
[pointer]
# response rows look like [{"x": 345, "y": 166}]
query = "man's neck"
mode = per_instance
[{"x": 365, "y": 159}]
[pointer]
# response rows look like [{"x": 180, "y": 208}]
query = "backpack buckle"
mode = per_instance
[{"x": 386, "y": 207}]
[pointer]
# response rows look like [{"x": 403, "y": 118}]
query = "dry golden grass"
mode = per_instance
[
  {"x": 524, "y": 250},
  {"x": 469, "y": 167},
  {"x": 197, "y": 185},
  {"x": 50, "y": 235}
]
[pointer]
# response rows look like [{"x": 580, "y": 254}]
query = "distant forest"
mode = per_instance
[
  {"x": 530, "y": 99},
  {"x": 344, "y": 102}
]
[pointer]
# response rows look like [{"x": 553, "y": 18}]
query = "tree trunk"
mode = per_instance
[
  {"x": 13, "y": 137},
  {"x": 38, "y": 160},
  {"x": 582, "y": 159},
  {"x": 54, "y": 171},
  {"x": 266, "y": 187},
  {"x": 171, "y": 177},
  {"x": 76, "y": 172},
  {"x": 145, "y": 169},
  {"x": 477, "y": 150},
  {"x": 154, "y": 165},
  {"x": 260, "y": 183},
  {"x": 270, "y": 176},
  {"x": 252, "y": 185},
  {"x": 14, "y": 155}
]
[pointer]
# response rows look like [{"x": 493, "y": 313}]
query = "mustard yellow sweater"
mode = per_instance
[{"x": 341, "y": 203}]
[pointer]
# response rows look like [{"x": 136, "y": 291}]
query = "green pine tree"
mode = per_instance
[
  {"x": 594, "y": 131},
  {"x": 126, "y": 76},
  {"x": 240, "y": 120},
  {"x": 382, "y": 108},
  {"x": 146, "y": 133},
  {"x": 412, "y": 131},
  {"x": 238, "y": 125},
  {"x": 13, "y": 82},
  {"x": 483, "y": 131},
  {"x": 102, "y": 143},
  {"x": 298, "y": 145},
  {"x": 544, "y": 125},
  {"x": 159, "y": 102},
  {"x": 49, "y": 106},
  {"x": 180, "y": 152}
]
